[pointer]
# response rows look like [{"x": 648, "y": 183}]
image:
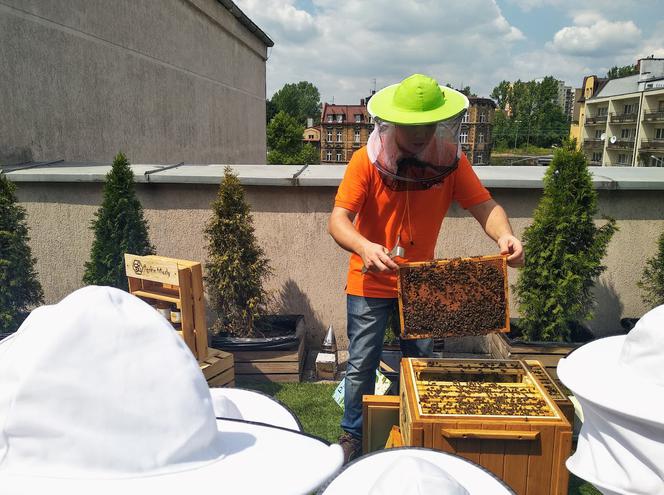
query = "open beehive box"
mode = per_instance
[
  {"x": 492, "y": 412},
  {"x": 453, "y": 298}
]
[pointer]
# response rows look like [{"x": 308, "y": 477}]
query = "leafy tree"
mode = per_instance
[
  {"x": 501, "y": 94},
  {"x": 626, "y": 70},
  {"x": 652, "y": 280},
  {"x": 270, "y": 111},
  {"x": 564, "y": 251},
  {"x": 19, "y": 287},
  {"x": 285, "y": 145},
  {"x": 237, "y": 266},
  {"x": 300, "y": 101},
  {"x": 119, "y": 228}
]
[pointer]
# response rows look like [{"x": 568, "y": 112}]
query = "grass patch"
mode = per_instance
[{"x": 320, "y": 416}]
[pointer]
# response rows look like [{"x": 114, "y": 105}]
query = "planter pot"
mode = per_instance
[
  {"x": 278, "y": 356},
  {"x": 509, "y": 346}
]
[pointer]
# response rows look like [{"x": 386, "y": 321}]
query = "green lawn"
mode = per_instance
[{"x": 320, "y": 415}]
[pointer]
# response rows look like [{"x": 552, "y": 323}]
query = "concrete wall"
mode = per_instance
[
  {"x": 165, "y": 82},
  {"x": 309, "y": 268}
]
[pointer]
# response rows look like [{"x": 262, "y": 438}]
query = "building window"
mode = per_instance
[
  {"x": 659, "y": 133},
  {"x": 340, "y": 117},
  {"x": 463, "y": 137},
  {"x": 480, "y": 137},
  {"x": 598, "y": 133},
  {"x": 338, "y": 156},
  {"x": 479, "y": 158},
  {"x": 311, "y": 136},
  {"x": 597, "y": 157},
  {"x": 629, "y": 108},
  {"x": 339, "y": 136},
  {"x": 622, "y": 158},
  {"x": 358, "y": 117},
  {"x": 466, "y": 117},
  {"x": 625, "y": 133},
  {"x": 601, "y": 111},
  {"x": 482, "y": 117},
  {"x": 328, "y": 155},
  {"x": 661, "y": 106},
  {"x": 330, "y": 118},
  {"x": 356, "y": 138},
  {"x": 329, "y": 134}
]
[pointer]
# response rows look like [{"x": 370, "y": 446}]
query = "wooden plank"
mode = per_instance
[
  {"x": 562, "y": 450},
  {"x": 261, "y": 367},
  {"x": 515, "y": 462},
  {"x": 158, "y": 295},
  {"x": 469, "y": 448},
  {"x": 187, "y": 308},
  {"x": 540, "y": 458},
  {"x": 490, "y": 432},
  {"x": 378, "y": 419},
  {"x": 224, "y": 378},
  {"x": 148, "y": 268},
  {"x": 281, "y": 355},
  {"x": 492, "y": 452},
  {"x": 216, "y": 363},
  {"x": 270, "y": 377},
  {"x": 440, "y": 441},
  {"x": 198, "y": 298}
]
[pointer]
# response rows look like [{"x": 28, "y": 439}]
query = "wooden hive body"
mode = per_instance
[{"x": 526, "y": 450}]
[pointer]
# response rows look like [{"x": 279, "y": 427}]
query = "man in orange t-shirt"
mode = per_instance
[{"x": 396, "y": 192}]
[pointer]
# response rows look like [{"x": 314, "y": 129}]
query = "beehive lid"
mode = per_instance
[{"x": 453, "y": 297}]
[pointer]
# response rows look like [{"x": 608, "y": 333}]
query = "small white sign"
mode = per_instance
[{"x": 382, "y": 386}]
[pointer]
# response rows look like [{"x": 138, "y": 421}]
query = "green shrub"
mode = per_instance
[
  {"x": 19, "y": 288},
  {"x": 236, "y": 266},
  {"x": 564, "y": 251},
  {"x": 652, "y": 280},
  {"x": 119, "y": 228}
]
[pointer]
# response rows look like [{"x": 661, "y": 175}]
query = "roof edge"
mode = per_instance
[{"x": 246, "y": 22}]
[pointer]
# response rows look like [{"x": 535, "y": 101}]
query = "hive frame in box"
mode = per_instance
[
  {"x": 407, "y": 333},
  {"x": 527, "y": 452}
]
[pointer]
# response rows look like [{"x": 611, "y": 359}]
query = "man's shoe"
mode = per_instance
[{"x": 351, "y": 445}]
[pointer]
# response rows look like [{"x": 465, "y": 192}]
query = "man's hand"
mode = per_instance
[
  {"x": 511, "y": 246},
  {"x": 376, "y": 258}
]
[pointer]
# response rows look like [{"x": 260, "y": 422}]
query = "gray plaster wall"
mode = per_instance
[
  {"x": 309, "y": 268},
  {"x": 165, "y": 82}
]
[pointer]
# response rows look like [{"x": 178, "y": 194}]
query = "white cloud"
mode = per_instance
[{"x": 595, "y": 36}]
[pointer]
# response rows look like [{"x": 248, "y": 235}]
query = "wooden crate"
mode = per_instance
[
  {"x": 174, "y": 281},
  {"x": 270, "y": 365},
  {"x": 453, "y": 297},
  {"x": 526, "y": 447},
  {"x": 547, "y": 353},
  {"x": 380, "y": 413},
  {"x": 218, "y": 368}
]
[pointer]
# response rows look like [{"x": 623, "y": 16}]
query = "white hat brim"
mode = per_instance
[
  {"x": 594, "y": 373},
  {"x": 360, "y": 475},
  {"x": 256, "y": 407},
  {"x": 255, "y": 458}
]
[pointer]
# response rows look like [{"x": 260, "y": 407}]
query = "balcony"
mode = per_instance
[
  {"x": 624, "y": 118},
  {"x": 593, "y": 143},
  {"x": 653, "y": 116},
  {"x": 598, "y": 119},
  {"x": 652, "y": 144},
  {"x": 621, "y": 144}
]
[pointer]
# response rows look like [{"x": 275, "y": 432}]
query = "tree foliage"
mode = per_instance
[
  {"x": 529, "y": 113},
  {"x": 652, "y": 280},
  {"x": 564, "y": 251},
  {"x": 299, "y": 100},
  {"x": 119, "y": 227},
  {"x": 626, "y": 70},
  {"x": 285, "y": 144},
  {"x": 19, "y": 288},
  {"x": 237, "y": 266}
]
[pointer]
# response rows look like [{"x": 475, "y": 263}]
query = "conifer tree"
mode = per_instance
[
  {"x": 652, "y": 280},
  {"x": 19, "y": 287},
  {"x": 237, "y": 266},
  {"x": 564, "y": 250},
  {"x": 119, "y": 228}
]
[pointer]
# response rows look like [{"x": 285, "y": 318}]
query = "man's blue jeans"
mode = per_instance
[{"x": 367, "y": 321}]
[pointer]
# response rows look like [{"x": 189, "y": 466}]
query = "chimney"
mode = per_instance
[
  {"x": 362, "y": 102},
  {"x": 310, "y": 122}
]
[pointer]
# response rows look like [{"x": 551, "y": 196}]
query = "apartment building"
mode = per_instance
[
  {"x": 590, "y": 86},
  {"x": 476, "y": 130},
  {"x": 623, "y": 123}
]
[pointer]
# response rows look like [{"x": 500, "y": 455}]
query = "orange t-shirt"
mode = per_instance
[{"x": 413, "y": 216}]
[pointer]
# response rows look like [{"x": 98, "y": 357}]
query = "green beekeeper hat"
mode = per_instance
[{"x": 417, "y": 100}]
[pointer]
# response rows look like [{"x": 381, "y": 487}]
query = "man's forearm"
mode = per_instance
[
  {"x": 493, "y": 219},
  {"x": 344, "y": 234}
]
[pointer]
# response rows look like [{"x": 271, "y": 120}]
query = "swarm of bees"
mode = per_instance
[{"x": 457, "y": 298}]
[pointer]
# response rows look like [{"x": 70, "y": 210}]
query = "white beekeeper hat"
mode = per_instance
[
  {"x": 619, "y": 382},
  {"x": 99, "y": 395},
  {"x": 414, "y": 471}
]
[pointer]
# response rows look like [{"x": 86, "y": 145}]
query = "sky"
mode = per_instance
[{"x": 348, "y": 47}]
